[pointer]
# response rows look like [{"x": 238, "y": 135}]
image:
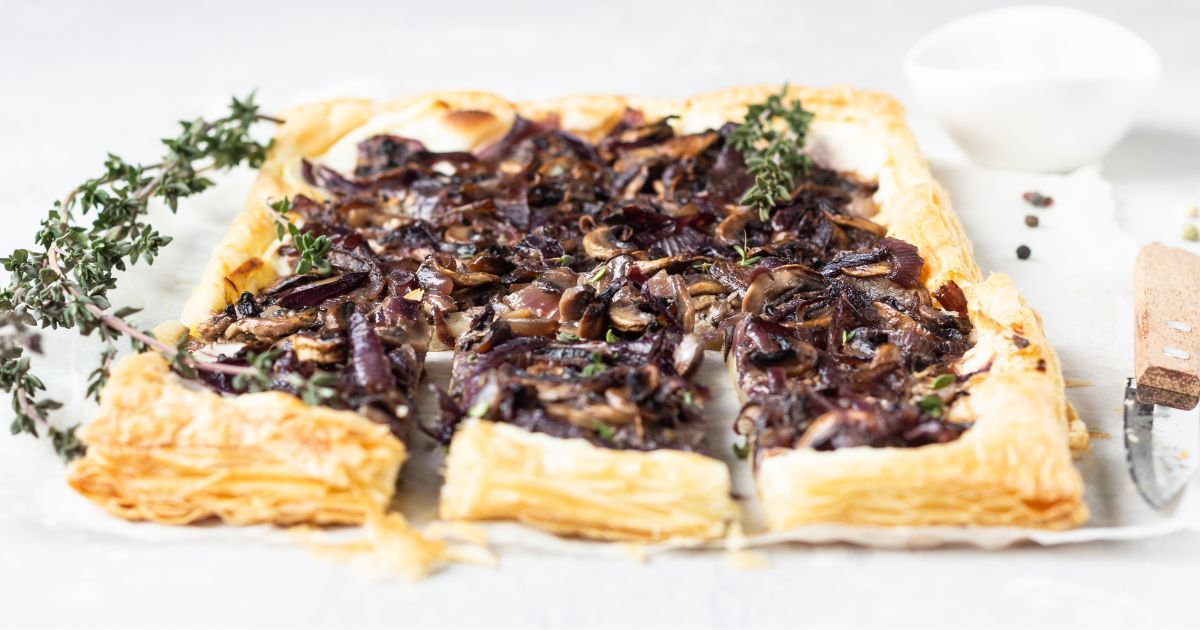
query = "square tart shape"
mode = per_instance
[{"x": 1013, "y": 468}]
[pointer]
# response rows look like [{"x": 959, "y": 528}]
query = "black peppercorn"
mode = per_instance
[
  {"x": 1031, "y": 220},
  {"x": 1023, "y": 252}
]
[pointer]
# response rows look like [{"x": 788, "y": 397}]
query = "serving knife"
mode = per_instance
[{"x": 1161, "y": 422}]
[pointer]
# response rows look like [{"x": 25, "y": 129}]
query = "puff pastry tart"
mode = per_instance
[{"x": 577, "y": 256}]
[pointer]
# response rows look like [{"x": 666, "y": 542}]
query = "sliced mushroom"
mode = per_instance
[
  {"x": 268, "y": 328},
  {"x": 732, "y": 229},
  {"x": 688, "y": 356},
  {"x": 772, "y": 283},
  {"x": 213, "y": 328},
  {"x": 653, "y": 267},
  {"x": 573, "y": 302},
  {"x": 828, "y": 425},
  {"x": 868, "y": 271},
  {"x": 532, "y": 326},
  {"x": 589, "y": 416},
  {"x": 463, "y": 277},
  {"x": 603, "y": 243},
  {"x": 706, "y": 286},
  {"x": 626, "y": 315},
  {"x": 591, "y": 322},
  {"x": 858, "y": 224},
  {"x": 309, "y": 347},
  {"x": 685, "y": 310}
]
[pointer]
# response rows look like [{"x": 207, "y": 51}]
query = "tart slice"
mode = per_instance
[{"x": 604, "y": 440}]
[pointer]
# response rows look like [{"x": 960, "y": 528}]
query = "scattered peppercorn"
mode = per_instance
[
  {"x": 1023, "y": 252},
  {"x": 1037, "y": 199},
  {"x": 1190, "y": 233},
  {"x": 1020, "y": 342},
  {"x": 1031, "y": 220}
]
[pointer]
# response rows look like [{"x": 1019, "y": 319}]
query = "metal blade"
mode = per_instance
[{"x": 1157, "y": 443}]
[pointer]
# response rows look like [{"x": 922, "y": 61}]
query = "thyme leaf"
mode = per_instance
[
  {"x": 312, "y": 249},
  {"x": 773, "y": 154},
  {"x": 65, "y": 280}
]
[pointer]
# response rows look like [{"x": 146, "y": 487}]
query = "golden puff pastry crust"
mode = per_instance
[
  {"x": 497, "y": 471},
  {"x": 1013, "y": 468},
  {"x": 165, "y": 452}
]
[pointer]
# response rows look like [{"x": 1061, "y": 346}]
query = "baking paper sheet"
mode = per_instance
[{"x": 1079, "y": 278}]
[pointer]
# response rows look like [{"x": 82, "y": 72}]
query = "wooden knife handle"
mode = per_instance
[{"x": 1166, "y": 346}]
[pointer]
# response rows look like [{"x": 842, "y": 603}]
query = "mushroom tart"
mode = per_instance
[{"x": 578, "y": 256}]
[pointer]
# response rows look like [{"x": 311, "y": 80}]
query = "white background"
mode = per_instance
[{"x": 80, "y": 79}]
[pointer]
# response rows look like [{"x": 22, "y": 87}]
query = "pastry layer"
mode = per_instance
[
  {"x": 163, "y": 451},
  {"x": 497, "y": 471}
]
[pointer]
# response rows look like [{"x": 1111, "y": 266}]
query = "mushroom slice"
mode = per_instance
[
  {"x": 591, "y": 322},
  {"x": 688, "y": 356},
  {"x": 858, "y": 224},
  {"x": 732, "y": 229},
  {"x": 268, "y": 328},
  {"x": 626, "y": 315},
  {"x": 589, "y": 416},
  {"x": 653, "y": 267},
  {"x": 772, "y": 283},
  {"x": 706, "y": 286},
  {"x": 532, "y": 326},
  {"x": 573, "y": 302},
  {"x": 464, "y": 277},
  {"x": 869, "y": 270},
  {"x": 604, "y": 243},
  {"x": 309, "y": 347}
]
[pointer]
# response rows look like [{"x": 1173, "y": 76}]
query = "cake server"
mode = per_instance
[{"x": 1162, "y": 426}]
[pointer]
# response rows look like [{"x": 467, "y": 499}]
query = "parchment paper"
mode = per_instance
[{"x": 1079, "y": 278}]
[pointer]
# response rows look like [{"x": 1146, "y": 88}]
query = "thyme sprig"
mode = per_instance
[
  {"x": 312, "y": 249},
  {"x": 317, "y": 389},
  {"x": 773, "y": 154},
  {"x": 65, "y": 281}
]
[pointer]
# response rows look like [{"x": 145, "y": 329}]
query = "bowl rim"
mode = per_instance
[{"x": 1151, "y": 62}]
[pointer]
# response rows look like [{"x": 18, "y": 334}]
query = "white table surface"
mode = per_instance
[{"x": 80, "y": 79}]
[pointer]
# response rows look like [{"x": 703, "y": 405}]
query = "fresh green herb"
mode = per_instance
[
  {"x": 65, "y": 282},
  {"x": 611, "y": 336},
  {"x": 772, "y": 154},
  {"x": 742, "y": 451},
  {"x": 689, "y": 399},
  {"x": 746, "y": 262},
  {"x": 565, "y": 259},
  {"x": 943, "y": 381},
  {"x": 605, "y": 432},
  {"x": 567, "y": 337},
  {"x": 847, "y": 336},
  {"x": 932, "y": 405},
  {"x": 479, "y": 408},
  {"x": 598, "y": 275},
  {"x": 312, "y": 249},
  {"x": 702, "y": 267},
  {"x": 258, "y": 379},
  {"x": 318, "y": 389},
  {"x": 595, "y": 367}
]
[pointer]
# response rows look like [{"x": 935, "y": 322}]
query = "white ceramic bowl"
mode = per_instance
[{"x": 1033, "y": 88}]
